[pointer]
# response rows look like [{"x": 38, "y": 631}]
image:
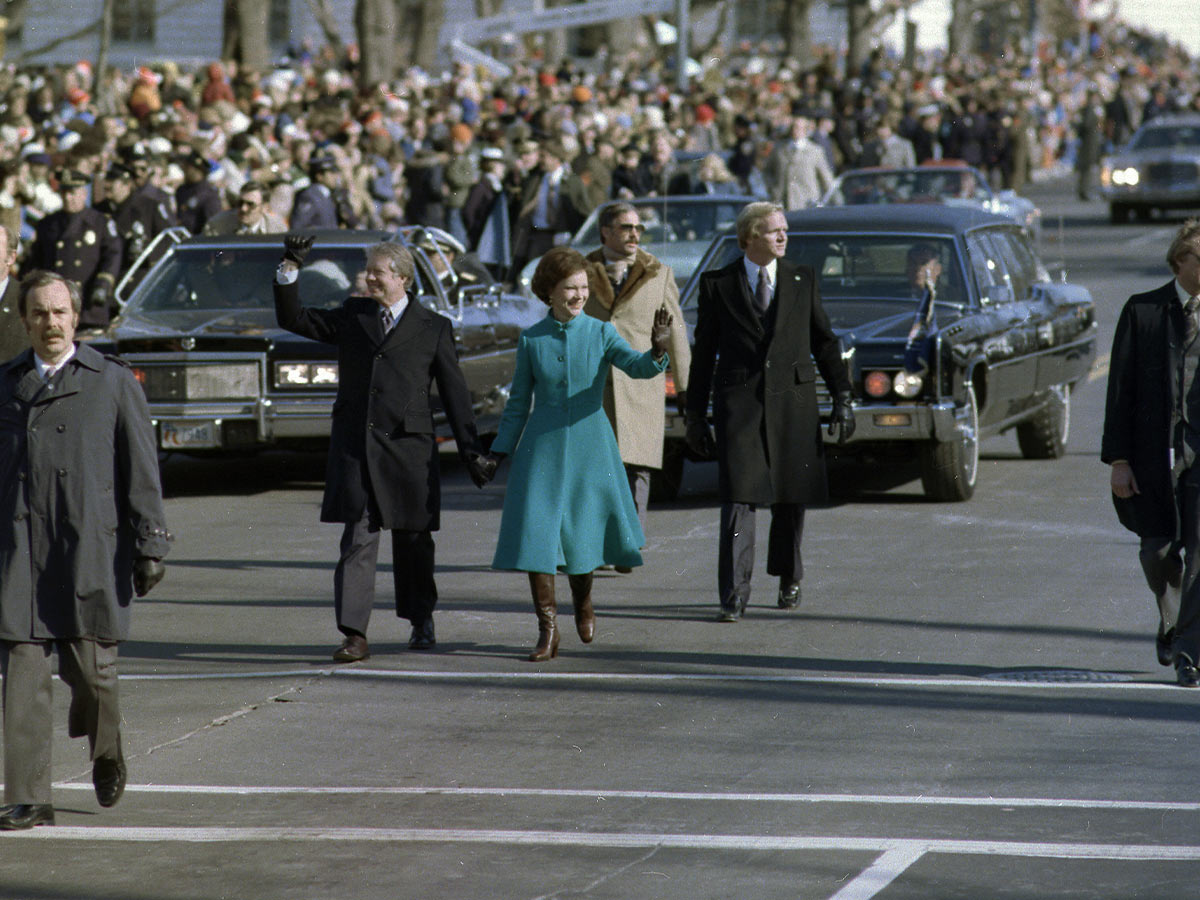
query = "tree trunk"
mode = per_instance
[
  {"x": 858, "y": 36},
  {"x": 375, "y": 22},
  {"x": 425, "y": 47},
  {"x": 254, "y": 43},
  {"x": 797, "y": 32}
]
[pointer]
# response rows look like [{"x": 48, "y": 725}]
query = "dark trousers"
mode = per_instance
[
  {"x": 354, "y": 577},
  {"x": 1187, "y": 627},
  {"x": 735, "y": 552},
  {"x": 89, "y": 669}
]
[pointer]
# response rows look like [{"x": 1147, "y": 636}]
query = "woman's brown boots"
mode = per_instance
[
  {"x": 542, "y": 585},
  {"x": 581, "y": 598}
]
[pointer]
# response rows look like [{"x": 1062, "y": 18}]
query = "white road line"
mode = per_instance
[
  {"x": 879, "y": 874},
  {"x": 703, "y": 796},
  {"x": 741, "y": 842},
  {"x": 1000, "y": 680}
]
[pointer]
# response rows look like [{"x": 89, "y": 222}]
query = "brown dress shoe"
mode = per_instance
[
  {"x": 353, "y": 648},
  {"x": 19, "y": 816}
]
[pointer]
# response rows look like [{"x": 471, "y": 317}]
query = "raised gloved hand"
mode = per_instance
[
  {"x": 482, "y": 468},
  {"x": 842, "y": 422},
  {"x": 147, "y": 572},
  {"x": 660, "y": 334},
  {"x": 699, "y": 438},
  {"x": 296, "y": 247}
]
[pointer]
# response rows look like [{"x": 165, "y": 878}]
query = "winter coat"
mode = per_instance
[
  {"x": 567, "y": 502},
  {"x": 80, "y": 490},
  {"x": 635, "y": 406},
  {"x": 763, "y": 384},
  {"x": 382, "y": 445}
]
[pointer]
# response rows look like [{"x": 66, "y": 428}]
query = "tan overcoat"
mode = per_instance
[{"x": 635, "y": 407}]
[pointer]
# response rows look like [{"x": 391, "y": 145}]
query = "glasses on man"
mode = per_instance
[
  {"x": 249, "y": 204},
  {"x": 629, "y": 229}
]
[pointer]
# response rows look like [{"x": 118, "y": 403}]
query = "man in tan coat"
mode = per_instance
[{"x": 626, "y": 287}]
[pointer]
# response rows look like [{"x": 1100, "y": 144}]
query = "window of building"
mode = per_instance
[{"x": 133, "y": 20}]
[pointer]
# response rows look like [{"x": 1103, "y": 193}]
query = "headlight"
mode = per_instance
[
  {"x": 907, "y": 385},
  {"x": 301, "y": 375},
  {"x": 1127, "y": 177}
]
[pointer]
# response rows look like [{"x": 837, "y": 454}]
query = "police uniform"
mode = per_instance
[
  {"x": 84, "y": 247},
  {"x": 197, "y": 201}
]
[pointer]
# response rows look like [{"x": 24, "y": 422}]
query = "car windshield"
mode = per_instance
[
  {"x": 669, "y": 222},
  {"x": 869, "y": 266},
  {"x": 907, "y": 186},
  {"x": 1162, "y": 137},
  {"x": 240, "y": 278}
]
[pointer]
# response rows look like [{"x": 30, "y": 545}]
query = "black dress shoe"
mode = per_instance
[
  {"x": 789, "y": 595},
  {"x": 422, "y": 636},
  {"x": 1162, "y": 643},
  {"x": 728, "y": 614},
  {"x": 19, "y": 816},
  {"x": 1186, "y": 673},
  {"x": 108, "y": 777},
  {"x": 353, "y": 648}
]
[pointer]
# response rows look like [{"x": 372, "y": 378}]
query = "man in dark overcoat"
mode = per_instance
[
  {"x": 80, "y": 243},
  {"x": 758, "y": 320},
  {"x": 383, "y": 457},
  {"x": 1151, "y": 440},
  {"x": 79, "y": 489},
  {"x": 13, "y": 338}
]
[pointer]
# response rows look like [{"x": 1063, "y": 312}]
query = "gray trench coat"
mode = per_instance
[{"x": 79, "y": 497}]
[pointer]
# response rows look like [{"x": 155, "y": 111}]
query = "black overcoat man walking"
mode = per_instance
[
  {"x": 1151, "y": 440},
  {"x": 383, "y": 457},
  {"x": 758, "y": 321}
]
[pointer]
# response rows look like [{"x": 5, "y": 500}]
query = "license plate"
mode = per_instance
[{"x": 180, "y": 435}]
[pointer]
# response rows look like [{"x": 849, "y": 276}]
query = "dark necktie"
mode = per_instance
[
  {"x": 386, "y": 315},
  {"x": 1190, "y": 325},
  {"x": 762, "y": 293}
]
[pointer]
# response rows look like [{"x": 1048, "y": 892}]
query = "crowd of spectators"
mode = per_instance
[{"x": 463, "y": 148}]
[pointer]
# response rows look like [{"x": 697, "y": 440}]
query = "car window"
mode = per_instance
[
  {"x": 988, "y": 263},
  {"x": 857, "y": 266},
  {"x": 1163, "y": 136},
  {"x": 1023, "y": 263},
  {"x": 208, "y": 278},
  {"x": 670, "y": 222}
]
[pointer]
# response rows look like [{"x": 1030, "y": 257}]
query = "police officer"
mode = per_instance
[
  {"x": 324, "y": 203},
  {"x": 82, "y": 244},
  {"x": 152, "y": 210},
  {"x": 197, "y": 199},
  {"x": 118, "y": 189}
]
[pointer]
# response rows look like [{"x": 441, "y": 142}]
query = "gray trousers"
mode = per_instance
[
  {"x": 735, "y": 549},
  {"x": 354, "y": 577},
  {"x": 89, "y": 669},
  {"x": 639, "y": 486}
]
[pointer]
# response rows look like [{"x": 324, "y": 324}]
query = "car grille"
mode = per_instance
[
  {"x": 173, "y": 382},
  {"x": 1167, "y": 173}
]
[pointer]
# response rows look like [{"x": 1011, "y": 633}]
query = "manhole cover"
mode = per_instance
[{"x": 1058, "y": 675}]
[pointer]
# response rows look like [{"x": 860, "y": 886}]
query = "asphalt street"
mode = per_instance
[{"x": 966, "y": 705}]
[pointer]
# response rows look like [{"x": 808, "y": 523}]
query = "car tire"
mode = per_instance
[
  {"x": 949, "y": 469},
  {"x": 1143, "y": 213},
  {"x": 665, "y": 482},
  {"x": 1118, "y": 213},
  {"x": 1045, "y": 435}
]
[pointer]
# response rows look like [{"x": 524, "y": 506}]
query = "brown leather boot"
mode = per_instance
[
  {"x": 542, "y": 586},
  {"x": 581, "y": 598}
]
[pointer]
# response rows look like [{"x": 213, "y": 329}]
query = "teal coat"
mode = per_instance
[{"x": 567, "y": 504}]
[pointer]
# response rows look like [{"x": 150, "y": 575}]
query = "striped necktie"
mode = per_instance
[{"x": 388, "y": 320}]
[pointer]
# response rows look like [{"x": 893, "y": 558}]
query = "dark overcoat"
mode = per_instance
[
  {"x": 1141, "y": 414},
  {"x": 80, "y": 492},
  {"x": 314, "y": 208},
  {"x": 763, "y": 384},
  {"x": 82, "y": 246},
  {"x": 382, "y": 444},
  {"x": 13, "y": 337}
]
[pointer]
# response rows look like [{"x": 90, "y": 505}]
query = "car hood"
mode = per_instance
[
  {"x": 878, "y": 320},
  {"x": 204, "y": 326}
]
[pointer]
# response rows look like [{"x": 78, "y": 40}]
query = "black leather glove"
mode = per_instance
[
  {"x": 147, "y": 572},
  {"x": 681, "y": 402},
  {"x": 660, "y": 334},
  {"x": 842, "y": 422},
  {"x": 296, "y": 247},
  {"x": 101, "y": 294},
  {"x": 482, "y": 468},
  {"x": 699, "y": 439}
]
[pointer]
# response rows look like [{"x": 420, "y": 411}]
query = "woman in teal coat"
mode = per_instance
[{"x": 567, "y": 504}]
